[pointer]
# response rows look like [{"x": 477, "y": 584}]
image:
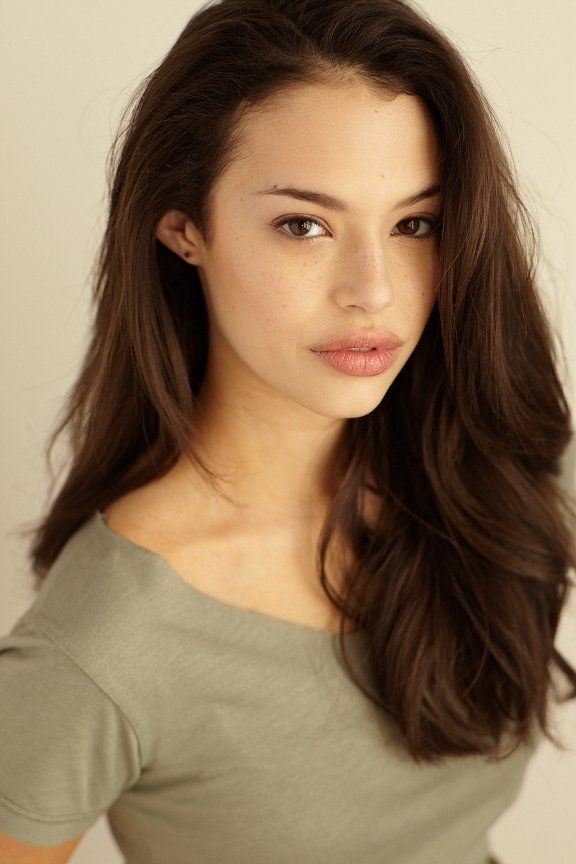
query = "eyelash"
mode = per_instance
[{"x": 435, "y": 223}]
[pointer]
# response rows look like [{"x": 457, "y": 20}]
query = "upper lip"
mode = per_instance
[{"x": 381, "y": 339}]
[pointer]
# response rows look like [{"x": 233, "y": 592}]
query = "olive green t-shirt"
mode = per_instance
[{"x": 211, "y": 734}]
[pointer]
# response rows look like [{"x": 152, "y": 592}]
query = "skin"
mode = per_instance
[{"x": 272, "y": 411}]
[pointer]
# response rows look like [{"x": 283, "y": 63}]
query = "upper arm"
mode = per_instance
[
  {"x": 67, "y": 752},
  {"x": 16, "y": 852}
]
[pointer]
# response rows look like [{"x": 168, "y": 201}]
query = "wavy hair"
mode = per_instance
[{"x": 460, "y": 578}]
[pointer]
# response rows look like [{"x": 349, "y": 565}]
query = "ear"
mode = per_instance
[{"x": 176, "y": 231}]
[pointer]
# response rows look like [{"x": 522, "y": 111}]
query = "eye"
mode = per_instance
[
  {"x": 298, "y": 220},
  {"x": 413, "y": 225}
]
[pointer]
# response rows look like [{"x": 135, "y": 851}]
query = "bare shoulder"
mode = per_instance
[
  {"x": 179, "y": 523},
  {"x": 161, "y": 513},
  {"x": 239, "y": 565},
  {"x": 133, "y": 515}
]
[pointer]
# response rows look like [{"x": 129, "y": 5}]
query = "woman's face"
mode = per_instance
[{"x": 272, "y": 295}]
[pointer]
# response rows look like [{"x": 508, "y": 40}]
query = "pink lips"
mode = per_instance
[
  {"x": 381, "y": 340},
  {"x": 381, "y": 349},
  {"x": 360, "y": 363}
]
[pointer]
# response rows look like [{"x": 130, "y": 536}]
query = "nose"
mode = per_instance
[{"x": 365, "y": 278}]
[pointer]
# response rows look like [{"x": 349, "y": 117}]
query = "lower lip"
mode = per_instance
[{"x": 359, "y": 363}]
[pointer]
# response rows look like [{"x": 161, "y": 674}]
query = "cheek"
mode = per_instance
[
  {"x": 421, "y": 277},
  {"x": 262, "y": 307}
]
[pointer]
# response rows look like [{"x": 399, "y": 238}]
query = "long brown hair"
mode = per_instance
[{"x": 460, "y": 579}]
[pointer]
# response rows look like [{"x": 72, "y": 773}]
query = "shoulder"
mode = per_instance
[
  {"x": 100, "y": 602},
  {"x": 142, "y": 517},
  {"x": 163, "y": 514},
  {"x": 67, "y": 750}
]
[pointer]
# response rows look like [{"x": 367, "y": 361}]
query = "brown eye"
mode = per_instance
[
  {"x": 412, "y": 227},
  {"x": 305, "y": 222}
]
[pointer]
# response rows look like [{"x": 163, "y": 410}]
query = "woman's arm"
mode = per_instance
[{"x": 16, "y": 852}]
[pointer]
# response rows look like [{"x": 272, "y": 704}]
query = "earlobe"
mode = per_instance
[
  {"x": 174, "y": 232},
  {"x": 191, "y": 242}
]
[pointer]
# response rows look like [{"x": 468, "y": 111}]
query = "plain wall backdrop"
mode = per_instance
[{"x": 67, "y": 70}]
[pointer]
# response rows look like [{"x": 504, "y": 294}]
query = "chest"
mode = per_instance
[
  {"x": 262, "y": 750},
  {"x": 275, "y": 575}
]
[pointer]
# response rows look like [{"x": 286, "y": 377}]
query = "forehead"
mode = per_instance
[{"x": 345, "y": 136}]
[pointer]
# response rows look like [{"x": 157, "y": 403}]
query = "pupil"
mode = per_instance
[{"x": 301, "y": 222}]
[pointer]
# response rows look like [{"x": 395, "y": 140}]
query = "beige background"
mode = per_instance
[{"x": 67, "y": 69}]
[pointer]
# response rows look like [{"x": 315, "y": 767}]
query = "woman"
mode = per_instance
[{"x": 309, "y": 410}]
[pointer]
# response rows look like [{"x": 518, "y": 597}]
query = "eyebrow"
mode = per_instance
[{"x": 332, "y": 203}]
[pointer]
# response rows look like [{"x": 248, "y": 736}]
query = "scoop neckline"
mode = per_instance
[{"x": 239, "y": 612}]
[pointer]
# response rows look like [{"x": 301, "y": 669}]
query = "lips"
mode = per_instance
[{"x": 375, "y": 339}]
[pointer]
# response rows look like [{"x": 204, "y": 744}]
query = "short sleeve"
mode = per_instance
[{"x": 66, "y": 749}]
